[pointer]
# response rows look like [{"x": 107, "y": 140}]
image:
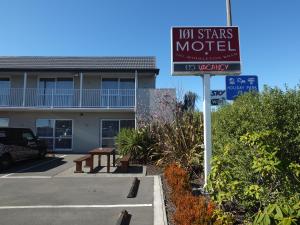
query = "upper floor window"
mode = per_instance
[
  {"x": 64, "y": 83},
  {"x": 127, "y": 84},
  {"x": 56, "y": 92},
  {"x": 4, "y": 91},
  {"x": 56, "y": 83},
  {"x": 4, "y": 122},
  {"x": 118, "y": 83},
  {"x": 4, "y": 83},
  {"x": 110, "y": 83}
]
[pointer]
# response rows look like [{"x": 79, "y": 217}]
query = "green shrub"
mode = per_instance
[
  {"x": 256, "y": 158},
  {"x": 181, "y": 141},
  {"x": 283, "y": 213},
  {"x": 138, "y": 143}
]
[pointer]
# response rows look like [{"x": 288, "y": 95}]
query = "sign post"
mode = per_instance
[
  {"x": 205, "y": 51},
  {"x": 228, "y": 13},
  {"x": 207, "y": 126}
]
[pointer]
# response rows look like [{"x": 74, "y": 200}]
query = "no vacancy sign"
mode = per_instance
[{"x": 205, "y": 50}]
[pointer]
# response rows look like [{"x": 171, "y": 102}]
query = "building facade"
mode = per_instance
[{"x": 77, "y": 103}]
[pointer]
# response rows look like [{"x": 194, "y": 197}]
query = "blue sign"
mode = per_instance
[{"x": 238, "y": 85}]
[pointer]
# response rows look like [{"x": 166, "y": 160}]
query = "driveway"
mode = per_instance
[{"x": 33, "y": 193}]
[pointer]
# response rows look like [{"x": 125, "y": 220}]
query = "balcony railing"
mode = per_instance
[{"x": 67, "y": 98}]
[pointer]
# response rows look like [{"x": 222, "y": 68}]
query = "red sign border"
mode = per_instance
[{"x": 174, "y": 73}]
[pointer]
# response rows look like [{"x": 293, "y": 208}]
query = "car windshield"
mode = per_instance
[{"x": 28, "y": 136}]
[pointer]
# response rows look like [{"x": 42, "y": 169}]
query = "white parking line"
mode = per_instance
[
  {"x": 25, "y": 177},
  {"x": 5, "y": 176},
  {"x": 39, "y": 164},
  {"x": 74, "y": 206}
]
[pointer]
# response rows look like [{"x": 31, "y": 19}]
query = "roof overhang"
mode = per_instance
[{"x": 77, "y": 70}]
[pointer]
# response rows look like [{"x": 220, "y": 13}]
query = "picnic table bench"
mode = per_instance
[
  {"x": 124, "y": 163},
  {"x": 88, "y": 163}
]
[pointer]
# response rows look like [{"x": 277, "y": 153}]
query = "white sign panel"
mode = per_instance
[{"x": 218, "y": 97}]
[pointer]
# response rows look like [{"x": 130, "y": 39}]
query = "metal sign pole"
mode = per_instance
[
  {"x": 207, "y": 126},
  {"x": 228, "y": 13},
  {"x": 207, "y": 110}
]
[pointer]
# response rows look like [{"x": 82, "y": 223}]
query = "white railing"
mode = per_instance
[{"x": 67, "y": 98}]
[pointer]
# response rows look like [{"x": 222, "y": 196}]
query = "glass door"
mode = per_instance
[
  {"x": 63, "y": 134},
  {"x": 45, "y": 131},
  {"x": 46, "y": 92},
  {"x": 127, "y": 92},
  {"x": 57, "y": 133},
  {"x": 4, "y": 91},
  {"x": 111, "y": 128},
  {"x": 109, "y": 92},
  {"x": 64, "y": 92}
]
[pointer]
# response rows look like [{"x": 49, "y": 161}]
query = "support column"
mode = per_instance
[
  {"x": 207, "y": 127},
  {"x": 135, "y": 95},
  {"x": 24, "y": 88},
  {"x": 80, "y": 90}
]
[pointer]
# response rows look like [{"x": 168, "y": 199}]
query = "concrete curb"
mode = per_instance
[{"x": 160, "y": 216}]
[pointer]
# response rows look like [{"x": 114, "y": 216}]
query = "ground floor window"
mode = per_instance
[
  {"x": 111, "y": 128},
  {"x": 4, "y": 122},
  {"x": 57, "y": 133}
]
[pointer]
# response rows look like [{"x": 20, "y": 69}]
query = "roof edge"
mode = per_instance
[{"x": 156, "y": 70}]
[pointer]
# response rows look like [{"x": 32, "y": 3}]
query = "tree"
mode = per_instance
[{"x": 189, "y": 102}]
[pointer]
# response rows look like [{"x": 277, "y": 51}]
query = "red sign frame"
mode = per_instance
[{"x": 205, "y": 50}]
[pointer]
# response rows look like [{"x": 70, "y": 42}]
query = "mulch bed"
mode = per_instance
[
  {"x": 170, "y": 207},
  {"x": 152, "y": 169},
  {"x": 196, "y": 182}
]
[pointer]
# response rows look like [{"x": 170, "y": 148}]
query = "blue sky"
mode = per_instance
[{"x": 269, "y": 33}]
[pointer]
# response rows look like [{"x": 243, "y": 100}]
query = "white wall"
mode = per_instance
[{"x": 86, "y": 125}]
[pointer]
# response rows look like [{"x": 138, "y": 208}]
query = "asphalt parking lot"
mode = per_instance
[{"x": 33, "y": 193}]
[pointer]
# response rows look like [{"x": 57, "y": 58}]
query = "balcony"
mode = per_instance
[{"x": 67, "y": 98}]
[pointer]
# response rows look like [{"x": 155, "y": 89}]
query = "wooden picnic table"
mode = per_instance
[{"x": 100, "y": 152}]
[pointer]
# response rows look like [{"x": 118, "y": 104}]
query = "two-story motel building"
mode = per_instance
[{"x": 76, "y": 103}]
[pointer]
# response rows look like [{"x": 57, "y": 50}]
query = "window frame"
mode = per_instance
[
  {"x": 54, "y": 136},
  {"x": 119, "y": 128},
  {"x": 55, "y": 81},
  {"x": 8, "y": 121},
  {"x": 118, "y": 81}
]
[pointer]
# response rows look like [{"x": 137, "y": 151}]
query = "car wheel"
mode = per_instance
[{"x": 5, "y": 161}]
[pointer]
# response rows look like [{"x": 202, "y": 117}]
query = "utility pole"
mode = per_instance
[{"x": 228, "y": 13}]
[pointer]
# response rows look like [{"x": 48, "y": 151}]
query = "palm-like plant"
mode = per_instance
[{"x": 189, "y": 102}]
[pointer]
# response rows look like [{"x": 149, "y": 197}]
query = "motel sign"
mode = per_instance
[{"x": 202, "y": 50}]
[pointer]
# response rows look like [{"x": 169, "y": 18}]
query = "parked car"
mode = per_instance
[{"x": 18, "y": 144}]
